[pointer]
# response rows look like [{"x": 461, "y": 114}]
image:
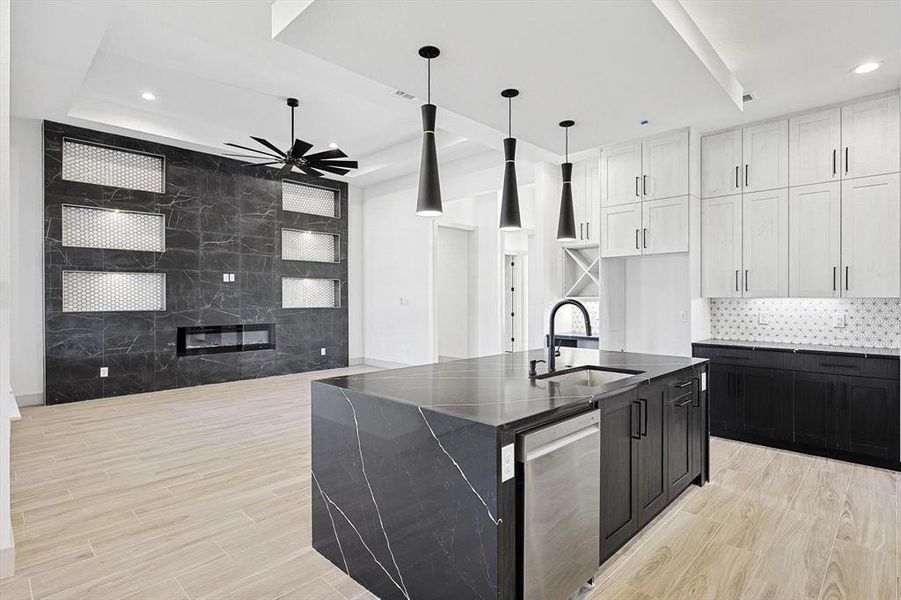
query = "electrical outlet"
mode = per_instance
[
  {"x": 763, "y": 317},
  {"x": 231, "y": 277},
  {"x": 322, "y": 351},
  {"x": 683, "y": 316},
  {"x": 104, "y": 371},
  {"x": 507, "y": 466},
  {"x": 225, "y": 277},
  {"x": 404, "y": 301},
  {"x": 838, "y": 319}
]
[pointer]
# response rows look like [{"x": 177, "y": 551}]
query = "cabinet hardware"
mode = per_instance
[
  {"x": 736, "y": 176},
  {"x": 636, "y": 187},
  {"x": 746, "y": 175},
  {"x": 581, "y": 225},
  {"x": 643, "y": 408},
  {"x": 637, "y": 245},
  {"x": 636, "y": 427},
  {"x": 587, "y": 231},
  {"x": 644, "y": 237},
  {"x": 846, "y": 160},
  {"x": 834, "y": 271},
  {"x": 833, "y": 160},
  {"x": 729, "y": 384},
  {"x": 846, "y": 277},
  {"x": 684, "y": 384},
  {"x": 644, "y": 185},
  {"x": 736, "y": 281},
  {"x": 746, "y": 279},
  {"x": 681, "y": 404}
]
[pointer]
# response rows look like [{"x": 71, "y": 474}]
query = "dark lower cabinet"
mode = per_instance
[
  {"x": 620, "y": 436},
  {"x": 813, "y": 405},
  {"x": 762, "y": 400},
  {"x": 867, "y": 416},
  {"x": 682, "y": 448},
  {"x": 724, "y": 402},
  {"x": 651, "y": 452}
]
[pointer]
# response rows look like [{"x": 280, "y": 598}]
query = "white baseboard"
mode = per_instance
[
  {"x": 356, "y": 361},
  {"x": 384, "y": 364},
  {"x": 30, "y": 399}
]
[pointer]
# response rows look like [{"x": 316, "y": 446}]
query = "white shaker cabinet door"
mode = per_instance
[
  {"x": 621, "y": 230},
  {"x": 765, "y": 244},
  {"x": 814, "y": 143},
  {"x": 720, "y": 160},
  {"x": 870, "y": 137},
  {"x": 579, "y": 199},
  {"x": 815, "y": 240},
  {"x": 664, "y": 225},
  {"x": 621, "y": 174},
  {"x": 664, "y": 163},
  {"x": 721, "y": 246},
  {"x": 870, "y": 237},
  {"x": 765, "y": 156}
]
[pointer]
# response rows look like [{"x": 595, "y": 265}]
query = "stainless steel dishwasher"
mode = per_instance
[{"x": 561, "y": 483}]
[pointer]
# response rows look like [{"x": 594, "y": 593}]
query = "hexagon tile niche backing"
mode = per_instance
[
  {"x": 309, "y": 246},
  {"x": 102, "y": 165},
  {"x": 112, "y": 229},
  {"x": 299, "y": 292},
  {"x": 101, "y": 291},
  {"x": 308, "y": 199},
  {"x": 869, "y": 322}
]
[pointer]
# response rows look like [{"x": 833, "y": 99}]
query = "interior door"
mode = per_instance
[
  {"x": 765, "y": 154},
  {"x": 621, "y": 230},
  {"x": 765, "y": 244},
  {"x": 815, "y": 240},
  {"x": 870, "y": 137},
  {"x": 720, "y": 164},
  {"x": 664, "y": 163},
  {"x": 620, "y": 435},
  {"x": 814, "y": 143},
  {"x": 868, "y": 416},
  {"x": 870, "y": 237},
  {"x": 621, "y": 174},
  {"x": 651, "y": 453},
  {"x": 664, "y": 225},
  {"x": 721, "y": 247}
]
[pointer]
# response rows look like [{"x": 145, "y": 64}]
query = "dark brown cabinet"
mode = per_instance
[
  {"x": 651, "y": 451},
  {"x": 620, "y": 436},
  {"x": 867, "y": 416}
]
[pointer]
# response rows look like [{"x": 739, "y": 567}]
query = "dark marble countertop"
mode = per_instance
[
  {"x": 816, "y": 348},
  {"x": 496, "y": 390}
]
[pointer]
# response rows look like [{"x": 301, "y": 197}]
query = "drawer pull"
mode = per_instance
[
  {"x": 681, "y": 404},
  {"x": 684, "y": 384}
]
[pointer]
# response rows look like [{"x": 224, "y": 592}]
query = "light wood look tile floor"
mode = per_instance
[{"x": 204, "y": 493}]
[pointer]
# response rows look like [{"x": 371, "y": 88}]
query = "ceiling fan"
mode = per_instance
[{"x": 296, "y": 156}]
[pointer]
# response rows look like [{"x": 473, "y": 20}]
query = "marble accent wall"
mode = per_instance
[
  {"x": 869, "y": 322},
  {"x": 404, "y": 498},
  {"x": 221, "y": 217}
]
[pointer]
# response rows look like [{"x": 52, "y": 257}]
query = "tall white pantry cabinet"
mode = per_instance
[{"x": 805, "y": 206}]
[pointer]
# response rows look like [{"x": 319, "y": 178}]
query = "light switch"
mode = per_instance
[
  {"x": 322, "y": 351},
  {"x": 507, "y": 466},
  {"x": 763, "y": 317},
  {"x": 231, "y": 277},
  {"x": 225, "y": 277},
  {"x": 104, "y": 371}
]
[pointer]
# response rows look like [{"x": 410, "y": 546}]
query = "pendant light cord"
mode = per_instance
[
  {"x": 429, "y": 100},
  {"x": 291, "y": 141},
  {"x": 566, "y": 130}
]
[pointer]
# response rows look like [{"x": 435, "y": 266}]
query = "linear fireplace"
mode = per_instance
[{"x": 213, "y": 339}]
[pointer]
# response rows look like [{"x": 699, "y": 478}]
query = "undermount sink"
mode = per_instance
[{"x": 589, "y": 375}]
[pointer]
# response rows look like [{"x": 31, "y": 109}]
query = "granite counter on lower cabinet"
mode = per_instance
[{"x": 409, "y": 492}]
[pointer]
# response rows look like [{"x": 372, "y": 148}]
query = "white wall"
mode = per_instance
[
  {"x": 354, "y": 275},
  {"x": 453, "y": 280}
]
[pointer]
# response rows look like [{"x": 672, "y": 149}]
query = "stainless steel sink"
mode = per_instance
[{"x": 589, "y": 375}]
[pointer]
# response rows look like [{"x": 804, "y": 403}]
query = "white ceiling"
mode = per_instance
[
  {"x": 607, "y": 65},
  {"x": 795, "y": 55}
]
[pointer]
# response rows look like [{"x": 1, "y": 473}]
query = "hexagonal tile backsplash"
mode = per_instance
[
  {"x": 101, "y": 165},
  {"x": 869, "y": 322},
  {"x": 101, "y": 291},
  {"x": 88, "y": 227}
]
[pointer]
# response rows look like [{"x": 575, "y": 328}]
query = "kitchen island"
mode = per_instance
[{"x": 416, "y": 493}]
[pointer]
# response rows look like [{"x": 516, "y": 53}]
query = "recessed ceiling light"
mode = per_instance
[
  {"x": 148, "y": 96},
  {"x": 333, "y": 145},
  {"x": 867, "y": 67}
]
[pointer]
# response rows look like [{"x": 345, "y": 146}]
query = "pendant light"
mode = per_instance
[
  {"x": 566, "y": 223},
  {"x": 510, "y": 220},
  {"x": 428, "y": 202}
]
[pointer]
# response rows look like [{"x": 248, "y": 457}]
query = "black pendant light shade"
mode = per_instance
[
  {"x": 428, "y": 202},
  {"x": 566, "y": 223},
  {"x": 510, "y": 219}
]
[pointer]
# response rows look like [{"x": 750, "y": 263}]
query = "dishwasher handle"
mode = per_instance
[{"x": 562, "y": 442}]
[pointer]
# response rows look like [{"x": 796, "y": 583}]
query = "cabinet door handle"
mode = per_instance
[
  {"x": 643, "y": 412},
  {"x": 684, "y": 384},
  {"x": 681, "y": 404},
  {"x": 581, "y": 225},
  {"x": 637, "y": 244},
  {"x": 846, "y": 160},
  {"x": 587, "y": 231},
  {"x": 833, "y": 160},
  {"x": 636, "y": 427},
  {"x": 834, "y": 272},
  {"x": 746, "y": 280},
  {"x": 730, "y": 386},
  {"x": 846, "y": 278},
  {"x": 644, "y": 185},
  {"x": 644, "y": 237},
  {"x": 746, "y": 175},
  {"x": 636, "y": 186},
  {"x": 736, "y": 176},
  {"x": 736, "y": 281}
]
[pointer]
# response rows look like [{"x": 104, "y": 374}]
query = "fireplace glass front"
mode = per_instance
[{"x": 211, "y": 339}]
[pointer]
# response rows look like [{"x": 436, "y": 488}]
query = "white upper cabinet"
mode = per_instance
[
  {"x": 815, "y": 240},
  {"x": 765, "y": 156},
  {"x": 765, "y": 244},
  {"x": 621, "y": 230},
  {"x": 814, "y": 142},
  {"x": 871, "y": 248},
  {"x": 721, "y": 246},
  {"x": 720, "y": 164},
  {"x": 621, "y": 174},
  {"x": 664, "y": 163},
  {"x": 870, "y": 137},
  {"x": 664, "y": 225}
]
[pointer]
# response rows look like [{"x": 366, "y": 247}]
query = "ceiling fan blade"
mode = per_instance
[
  {"x": 311, "y": 171},
  {"x": 269, "y": 145},
  {"x": 286, "y": 170},
  {"x": 251, "y": 149},
  {"x": 335, "y": 170},
  {"x": 265, "y": 164},
  {"x": 350, "y": 164},
  {"x": 249, "y": 156},
  {"x": 299, "y": 148},
  {"x": 333, "y": 153}
]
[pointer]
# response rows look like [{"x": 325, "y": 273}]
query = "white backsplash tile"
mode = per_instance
[
  {"x": 577, "y": 323},
  {"x": 868, "y": 322}
]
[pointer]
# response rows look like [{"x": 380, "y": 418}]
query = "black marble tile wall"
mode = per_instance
[{"x": 221, "y": 217}]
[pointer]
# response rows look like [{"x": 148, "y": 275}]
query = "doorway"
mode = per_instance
[{"x": 455, "y": 305}]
